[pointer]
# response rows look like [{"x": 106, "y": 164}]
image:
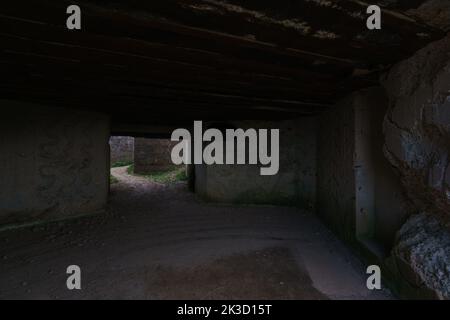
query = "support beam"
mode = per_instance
[{"x": 54, "y": 163}]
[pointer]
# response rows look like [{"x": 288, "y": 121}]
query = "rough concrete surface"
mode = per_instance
[
  {"x": 159, "y": 242},
  {"x": 294, "y": 184},
  {"x": 422, "y": 257},
  {"x": 434, "y": 12},
  {"x": 417, "y": 144},
  {"x": 417, "y": 127},
  {"x": 122, "y": 149},
  {"x": 335, "y": 174},
  {"x": 152, "y": 155},
  {"x": 359, "y": 195},
  {"x": 53, "y": 163}
]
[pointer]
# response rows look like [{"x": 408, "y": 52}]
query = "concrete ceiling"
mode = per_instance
[{"x": 173, "y": 61}]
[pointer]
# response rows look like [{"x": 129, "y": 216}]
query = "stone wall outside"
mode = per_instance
[
  {"x": 151, "y": 155},
  {"x": 122, "y": 149}
]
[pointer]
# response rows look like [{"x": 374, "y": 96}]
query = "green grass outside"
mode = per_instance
[
  {"x": 172, "y": 175},
  {"x": 121, "y": 164},
  {"x": 112, "y": 179}
]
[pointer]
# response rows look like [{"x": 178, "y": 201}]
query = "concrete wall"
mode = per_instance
[
  {"x": 122, "y": 149},
  {"x": 384, "y": 172},
  {"x": 379, "y": 196},
  {"x": 152, "y": 155},
  {"x": 54, "y": 163},
  {"x": 359, "y": 194},
  {"x": 335, "y": 174},
  {"x": 295, "y": 183}
]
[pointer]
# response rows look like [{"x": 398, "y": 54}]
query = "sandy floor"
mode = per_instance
[{"x": 161, "y": 242}]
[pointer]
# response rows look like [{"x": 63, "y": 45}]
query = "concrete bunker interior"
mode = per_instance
[{"x": 364, "y": 178}]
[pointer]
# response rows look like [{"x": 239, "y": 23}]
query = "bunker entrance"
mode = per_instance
[{"x": 146, "y": 159}]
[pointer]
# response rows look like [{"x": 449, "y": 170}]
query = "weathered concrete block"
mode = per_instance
[
  {"x": 417, "y": 144},
  {"x": 434, "y": 12},
  {"x": 54, "y": 163},
  {"x": 152, "y": 155},
  {"x": 421, "y": 259},
  {"x": 417, "y": 127},
  {"x": 359, "y": 196},
  {"x": 122, "y": 149},
  {"x": 295, "y": 183},
  {"x": 335, "y": 175}
]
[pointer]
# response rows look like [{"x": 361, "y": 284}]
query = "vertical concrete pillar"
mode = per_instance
[
  {"x": 358, "y": 193},
  {"x": 54, "y": 163},
  {"x": 335, "y": 174}
]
